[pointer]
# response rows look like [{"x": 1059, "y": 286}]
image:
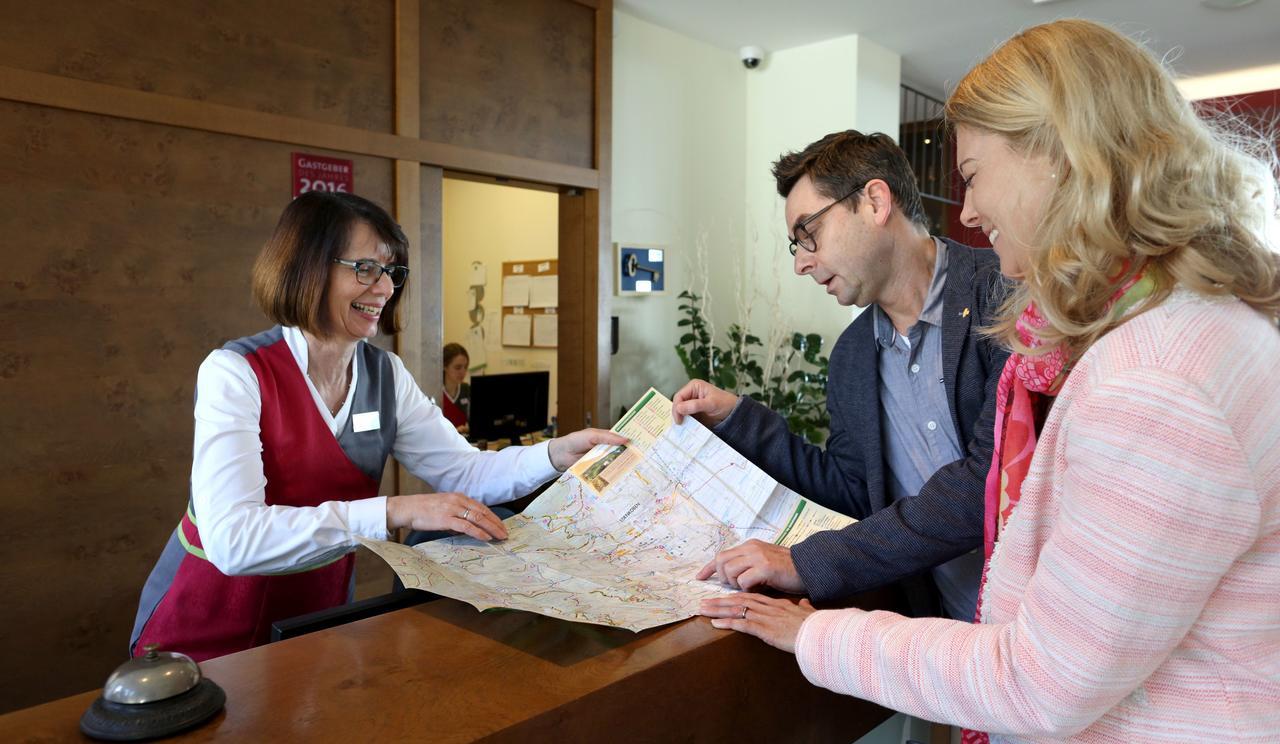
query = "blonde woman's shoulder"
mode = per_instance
[{"x": 1207, "y": 339}]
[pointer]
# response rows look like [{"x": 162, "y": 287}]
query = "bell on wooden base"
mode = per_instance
[{"x": 155, "y": 695}]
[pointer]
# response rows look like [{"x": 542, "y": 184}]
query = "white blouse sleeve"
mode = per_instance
[
  {"x": 431, "y": 448},
  {"x": 241, "y": 534}
]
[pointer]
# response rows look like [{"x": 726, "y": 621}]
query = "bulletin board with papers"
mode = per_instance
[{"x": 530, "y": 296}]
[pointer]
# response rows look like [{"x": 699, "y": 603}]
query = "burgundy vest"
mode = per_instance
[{"x": 205, "y": 613}]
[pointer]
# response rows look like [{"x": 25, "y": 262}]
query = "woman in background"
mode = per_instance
[
  {"x": 293, "y": 427},
  {"x": 456, "y": 402},
  {"x": 1132, "y": 584}
]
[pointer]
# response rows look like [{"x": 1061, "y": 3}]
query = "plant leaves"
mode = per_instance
[{"x": 796, "y": 387}]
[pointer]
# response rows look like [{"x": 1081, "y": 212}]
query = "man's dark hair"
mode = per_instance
[{"x": 843, "y": 161}]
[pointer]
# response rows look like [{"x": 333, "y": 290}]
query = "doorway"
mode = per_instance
[{"x": 500, "y": 256}]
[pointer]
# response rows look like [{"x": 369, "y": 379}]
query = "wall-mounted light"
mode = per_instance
[
  {"x": 1226, "y": 4},
  {"x": 1230, "y": 83}
]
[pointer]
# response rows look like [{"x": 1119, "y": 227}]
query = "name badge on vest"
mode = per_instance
[{"x": 365, "y": 422}]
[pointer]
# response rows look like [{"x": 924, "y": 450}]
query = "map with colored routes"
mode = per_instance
[{"x": 617, "y": 539}]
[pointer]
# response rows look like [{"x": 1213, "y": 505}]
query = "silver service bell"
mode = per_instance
[{"x": 155, "y": 695}]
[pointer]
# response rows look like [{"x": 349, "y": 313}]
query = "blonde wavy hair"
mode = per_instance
[{"x": 1143, "y": 179}]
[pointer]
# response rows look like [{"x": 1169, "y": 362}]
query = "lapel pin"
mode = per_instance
[{"x": 964, "y": 313}]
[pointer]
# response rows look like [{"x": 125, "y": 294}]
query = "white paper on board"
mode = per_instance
[
  {"x": 544, "y": 291},
  {"x": 516, "y": 329},
  {"x": 515, "y": 290},
  {"x": 545, "y": 330}
]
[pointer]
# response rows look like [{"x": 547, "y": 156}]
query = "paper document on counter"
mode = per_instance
[{"x": 617, "y": 539}]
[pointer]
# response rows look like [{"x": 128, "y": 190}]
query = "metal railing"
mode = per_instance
[{"x": 929, "y": 150}]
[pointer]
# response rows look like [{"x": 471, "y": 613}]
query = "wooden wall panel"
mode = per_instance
[
  {"x": 325, "y": 60},
  {"x": 127, "y": 255},
  {"x": 576, "y": 382},
  {"x": 422, "y": 312},
  {"x": 599, "y": 210},
  {"x": 510, "y": 76},
  {"x": 146, "y": 159}
]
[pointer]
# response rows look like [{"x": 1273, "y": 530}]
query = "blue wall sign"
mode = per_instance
[{"x": 641, "y": 270}]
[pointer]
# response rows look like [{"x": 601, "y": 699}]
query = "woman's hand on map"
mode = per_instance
[
  {"x": 775, "y": 621},
  {"x": 708, "y": 404},
  {"x": 568, "y": 449},
  {"x": 444, "y": 511},
  {"x": 755, "y": 563}
]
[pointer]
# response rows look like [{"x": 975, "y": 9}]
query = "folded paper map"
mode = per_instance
[{"x": 617, "y": 539}]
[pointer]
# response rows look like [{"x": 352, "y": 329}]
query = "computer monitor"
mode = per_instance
[{"x": 508, "y": 405}]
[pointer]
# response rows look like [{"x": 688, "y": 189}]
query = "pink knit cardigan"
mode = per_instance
[{"x": 1135, "y": 594}]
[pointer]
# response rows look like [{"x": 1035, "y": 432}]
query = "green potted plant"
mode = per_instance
[{"x": 791, "y": 381}]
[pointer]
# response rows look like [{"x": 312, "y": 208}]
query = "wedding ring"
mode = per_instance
[
  {"x": 466, "y": 514},
  {"x": 744, "y": 612}
]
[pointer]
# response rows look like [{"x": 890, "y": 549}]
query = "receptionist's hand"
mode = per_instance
[
  {"x": 568, "y": 449},
  {"x": 708, "y": 404},
  {"x": 431, "y": 512}
]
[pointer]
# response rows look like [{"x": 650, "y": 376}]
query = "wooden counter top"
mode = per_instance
[{"x": 442, "y": 671}]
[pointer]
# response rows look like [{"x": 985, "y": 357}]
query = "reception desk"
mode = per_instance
[{"x": 442, "y": 671}]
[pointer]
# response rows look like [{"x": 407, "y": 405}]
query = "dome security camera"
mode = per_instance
[{"x": 751, "y": 56}]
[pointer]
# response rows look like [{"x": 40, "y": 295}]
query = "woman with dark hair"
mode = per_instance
[
  {"x": 455, "y": 400},
  {"x": 293, "y": 427}
]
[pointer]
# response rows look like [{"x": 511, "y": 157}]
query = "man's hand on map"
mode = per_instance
[
  {"x": 568, "y": 449},
  {"x": 755, "y": 563},
  {"x": 775, "y": 621},
  {"x": 444, "y": 511},
  {"x": 708, "y": 404}
]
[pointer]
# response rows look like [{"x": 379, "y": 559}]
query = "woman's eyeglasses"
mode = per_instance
[{"x": 369, "y": 271}]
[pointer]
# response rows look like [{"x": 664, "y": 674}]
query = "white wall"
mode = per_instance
[
  {"x": 491, "y": 224},
  {"x": 878, "y": 89},
  {"x": 694, "y": 138},
  {"x": 798, "y": 96},
  {"x": 678, "y": 180}
]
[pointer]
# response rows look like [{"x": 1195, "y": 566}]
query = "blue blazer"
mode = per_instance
[{"x": 903, "y": 540}]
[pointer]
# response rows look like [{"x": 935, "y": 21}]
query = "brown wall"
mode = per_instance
[
  {"x": 518, "y": 77},
  {"x": 138, "y": 181},
  {"x": 322, "y": 60}
]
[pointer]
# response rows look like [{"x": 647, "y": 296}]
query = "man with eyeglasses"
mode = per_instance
[{"x": 911, "y": 391}]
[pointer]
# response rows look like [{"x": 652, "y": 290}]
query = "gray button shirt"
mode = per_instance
[{"x": 919, "y": 436}]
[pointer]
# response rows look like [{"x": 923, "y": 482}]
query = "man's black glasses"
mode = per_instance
[{"x": 805, "y": 239}]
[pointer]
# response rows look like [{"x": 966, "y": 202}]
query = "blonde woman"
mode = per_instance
[{"x": 1132, "y": 586}]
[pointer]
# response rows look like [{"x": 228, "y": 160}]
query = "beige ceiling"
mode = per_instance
[{"x": 940, "y": 39}]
